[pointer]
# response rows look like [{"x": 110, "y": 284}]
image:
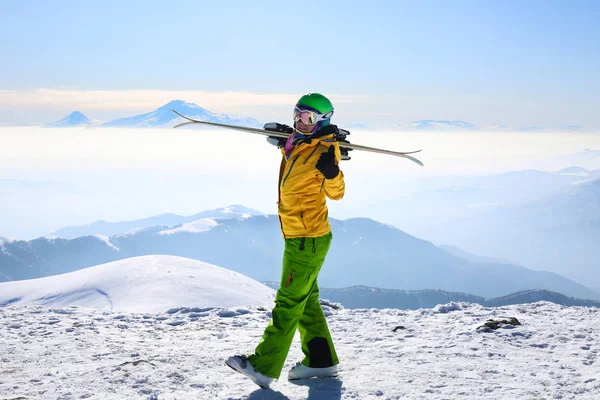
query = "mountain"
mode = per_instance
[
  {"x": 559, "y": 233},
  {"x": 429, "y": 201},
  {"x": 364, "y": 252},
  {"x": 165, "y": 117},
  {"x": 4, "y": 239},
  {"x": 114, "y": 228},
  {"x": 588, "y": 158},
  {"x": 455, "y": 251},
  {"x": 367, "y": 297},
  {"x": 463, "y": 126},
  {"x": 74, "y": 119},
  {"x": 141, "y": 284},
  {"x": 436, "y": 125}
]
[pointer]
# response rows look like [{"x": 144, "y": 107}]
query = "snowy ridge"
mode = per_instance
[
  {"x": 131, "y": 227},
  {"x": 201, "y": 225},
  {"x": 384, "y": 354},
  {"x": 4, "y": 239},
  {"x": 141, "y": 284},
  {"x": 106, "y": 240}
]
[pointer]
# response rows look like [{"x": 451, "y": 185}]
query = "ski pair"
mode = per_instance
[{"x": 284, "y": 135}]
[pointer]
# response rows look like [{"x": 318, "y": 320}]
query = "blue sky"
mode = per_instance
[{"x": 455, "y": 60}]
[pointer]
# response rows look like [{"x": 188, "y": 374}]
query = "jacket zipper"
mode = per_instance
[
  {"x": 310, "y": 155},
  {"x": 281, "y": 168},
  {"x": 290, "y": 170}
]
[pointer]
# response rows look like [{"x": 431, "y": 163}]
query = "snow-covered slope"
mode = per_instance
[
  {"x": 141, "y": 284},
  {"x": 165, "y": 117},
  {"x": 438, "y": 353}
]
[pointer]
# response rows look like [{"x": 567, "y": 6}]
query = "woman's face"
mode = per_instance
[{"x": 302, "y": 127}]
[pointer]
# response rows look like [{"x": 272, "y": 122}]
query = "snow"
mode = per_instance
[
  {"x": 73, "y": 353},
  {"x": 106, "y": 240},
  {"x": 201, "y": 225},
  {"x": 141, "y": 284},
  {"x": 446, "y": 308},
  {"x": 4, "y": 239},
  {"x": 230, "y": 210}
]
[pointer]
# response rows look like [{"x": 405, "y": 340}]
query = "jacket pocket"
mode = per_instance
[{"x": 302, "y": 212}]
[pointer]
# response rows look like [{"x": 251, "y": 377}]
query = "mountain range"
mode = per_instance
[
  {"x": 106, "y": 228},
  {"x": 162, "y": 117},
  {"x": 364, "y": 252},
  {"x": 559, "y": 232},
  {"x": 540, "y": 219},
  {"x": 464, "y": 126},
  {"x": 370, "y": 297},
  {"x": 367, "y": 297}
]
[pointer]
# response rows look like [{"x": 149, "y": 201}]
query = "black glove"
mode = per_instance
[
  {"x": 327, "y": 130},
  {"x": 327, "y": 165},
  {"x": 275, "y": 127},
  {"x": 340, "y": 136}
]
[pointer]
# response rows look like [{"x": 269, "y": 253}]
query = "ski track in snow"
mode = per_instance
[{"x": 80, "y": 353}]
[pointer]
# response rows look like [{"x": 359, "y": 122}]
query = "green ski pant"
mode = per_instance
[{"x": 297, "y": 306}]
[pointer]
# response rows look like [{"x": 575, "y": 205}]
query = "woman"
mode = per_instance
[{"x": 308, "y": 174}]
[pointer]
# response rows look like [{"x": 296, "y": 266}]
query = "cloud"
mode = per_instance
[{"x": 104, "y": 100}]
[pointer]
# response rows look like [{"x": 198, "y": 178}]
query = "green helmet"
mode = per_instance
[{"x": 318, "y": 103}]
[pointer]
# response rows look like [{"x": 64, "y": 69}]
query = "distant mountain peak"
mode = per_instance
[
  {"x": 76, "y": 118},
  {"x": 176, "y": 104},
  {"x": 165, "y": 117}
]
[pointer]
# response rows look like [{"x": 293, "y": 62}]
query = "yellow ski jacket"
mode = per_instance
[{"x": 303, "y": 188}]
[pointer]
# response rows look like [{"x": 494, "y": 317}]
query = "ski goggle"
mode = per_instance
[{"x": 310, "y": 117}]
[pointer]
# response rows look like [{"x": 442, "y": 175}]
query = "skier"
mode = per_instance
[{"x": 308, "y": 174}]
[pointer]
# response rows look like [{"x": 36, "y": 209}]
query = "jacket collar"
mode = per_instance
[{"x": 308, "y": 143}]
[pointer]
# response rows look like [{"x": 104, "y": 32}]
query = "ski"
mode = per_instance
[{"x": 265, "y": 132}]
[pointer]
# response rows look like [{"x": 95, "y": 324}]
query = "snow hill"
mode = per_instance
[
  {"x": 141, "y": 284},
  {"x": 439, "y": 353},
  {"x": 165, "y": 117},
  {"x": 74, "y": 119}
]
